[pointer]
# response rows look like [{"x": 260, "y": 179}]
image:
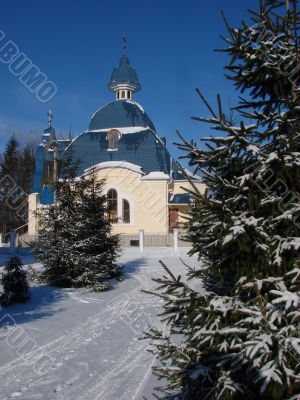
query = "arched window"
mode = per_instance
[
  {"x": 128, "y": 94},
  {"x": 113, "y": 136},
  {"x": 118, "y": 95},
  {"x": 126, "y": 212},
  {"x": 123, "y": 94},
  {"x": 112, "y": 205}
]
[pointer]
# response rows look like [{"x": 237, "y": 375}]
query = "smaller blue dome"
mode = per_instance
[{"x": 124, "y": 73}]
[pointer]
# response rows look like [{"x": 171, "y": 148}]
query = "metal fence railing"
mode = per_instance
[
  {"x": 152, "y": 240},
  {"x": 149, "y": 240}
]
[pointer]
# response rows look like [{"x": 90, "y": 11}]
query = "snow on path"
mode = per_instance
[{"x": 91, "y": 340}]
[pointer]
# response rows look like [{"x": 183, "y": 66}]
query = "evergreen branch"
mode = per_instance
[{"x": 206, "y": 103}]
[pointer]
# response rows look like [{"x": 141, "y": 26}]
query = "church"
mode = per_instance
[{"x": 146, "y": 188}]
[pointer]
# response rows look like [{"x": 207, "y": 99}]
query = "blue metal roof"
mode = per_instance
[
  {"x": 49, "y": 134},
  {"x": 180, "y": 198},
  {"x": 124, "y": 73},
  {"x": 40, "y": 155},
  {"x": 47, "y": 195},
  {"x": 61, "y": 144},
  {"x": 142, "y": 148},
  {"x": 121, "y": 113}
]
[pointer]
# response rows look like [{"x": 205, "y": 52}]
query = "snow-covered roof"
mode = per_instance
[
  {"x": 156, "y": 175},
  {"x": 115, "y": 164},
  {"x": 133, "y": 129},
  {"x": 136, "y": 104}
]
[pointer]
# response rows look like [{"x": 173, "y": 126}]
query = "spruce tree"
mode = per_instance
[
  {"x": 11, "y": 158},
  {"x": 14, "y": 282},
  {"x": 94, "y": 248},
  {"x": 16, "y": 178},
  {"x": 27, "y": 167},
  {"x": 238, "y": 337},
  {"x": 75, "y": 244},
  {"x": 10, "y": 167}
]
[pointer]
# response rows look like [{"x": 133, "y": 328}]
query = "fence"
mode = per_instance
[
  {"x": 152, "y": 240},
  {"x": 146, "y": 240},
  {"x": 25, "y": 240}
]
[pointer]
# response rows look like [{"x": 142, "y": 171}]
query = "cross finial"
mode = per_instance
[
  {"x": 50, "y": 116},
  {"x": 124, "y": 42}
]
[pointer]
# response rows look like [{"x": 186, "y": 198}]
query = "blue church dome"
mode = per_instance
[
  {"x": 138, "y": 143},
  {"x": 120, "y": 114},
  {"x": 124, "y": 73}
]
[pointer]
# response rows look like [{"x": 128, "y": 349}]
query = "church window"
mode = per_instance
[
  {"x": 123, "y": 94},
  {"x": 128, "y": 94},
  {"x": 48, "y": 173},
  {"x": 118, "y": 95},
  {"x": 126, "y": 211},
  {"x": 112, "y": 202},
  {"x": 113, "y": 137}
]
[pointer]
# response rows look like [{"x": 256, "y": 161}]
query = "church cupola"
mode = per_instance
[
  {"x": 124, "y": 81},
  {"x": 49, "y": 133}
]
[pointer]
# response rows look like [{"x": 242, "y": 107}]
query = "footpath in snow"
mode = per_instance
[{"x": 73, "y": 344}]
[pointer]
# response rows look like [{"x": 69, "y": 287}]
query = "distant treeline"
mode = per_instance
[{"x": 16, "y": 178}]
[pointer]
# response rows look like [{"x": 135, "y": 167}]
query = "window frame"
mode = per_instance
[
  {"x": 126, "y": 219},
  {"x": 112, "y": 205},
  {"x": 113, "y": 137}
]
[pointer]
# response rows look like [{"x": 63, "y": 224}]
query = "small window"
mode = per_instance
[
  {"x": 112, "y": 205},
  {"x": 118, "y": 95},
  {"x": 113, "y": 137},
  {"x": 123, "y": 94},
  {"x": 126, "y": 212},
  {"x": 128, "y": 94},
  {"x": 48, "y": 173}
]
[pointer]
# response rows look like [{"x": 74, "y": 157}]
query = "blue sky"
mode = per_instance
[{"x": 77, "y": 44}]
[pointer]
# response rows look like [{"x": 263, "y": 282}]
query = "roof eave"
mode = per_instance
[{"x": 114, "y": 86}]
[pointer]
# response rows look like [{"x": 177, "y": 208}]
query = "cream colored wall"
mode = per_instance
[
  {"x": 148, "y": 200},
  {"x": 181, "y": 186},
  {"x": 32, "y": 207}
]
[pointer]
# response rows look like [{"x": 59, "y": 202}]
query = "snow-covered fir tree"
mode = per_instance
[
  {"x": 14, "y": 282},
  {"x": 234, "y": 325},
  {"x": 75, "y": 243}
]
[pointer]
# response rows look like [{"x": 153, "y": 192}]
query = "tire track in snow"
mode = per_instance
[
  {"x": 121, "y": 378},
  {"x": 62, "y": 348},
  {"x": 121, "y": 381},
  {"x": 66, "y": 347},
  {"x": 68, "y": 337}
]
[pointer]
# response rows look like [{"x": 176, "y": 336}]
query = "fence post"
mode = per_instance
[
  {"x": 175, "y": 240},
  {"x": 141, "y": 240},
  {"x": 12, "y": 241}
]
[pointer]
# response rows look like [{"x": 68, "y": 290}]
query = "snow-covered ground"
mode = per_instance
[{"x": 74, "y": 344}]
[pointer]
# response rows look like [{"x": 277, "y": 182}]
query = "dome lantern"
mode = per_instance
[{"x": 124, "y": 81}]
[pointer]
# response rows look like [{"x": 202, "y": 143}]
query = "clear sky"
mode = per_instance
[{"x": 76, "y": 44}]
